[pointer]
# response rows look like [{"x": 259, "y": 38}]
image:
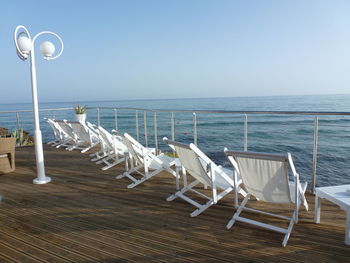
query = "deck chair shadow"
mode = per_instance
[
  {"x": 196, "y": 164},
  {"x": 143, "y": 161},
  {"x": 266, "y": 177}
]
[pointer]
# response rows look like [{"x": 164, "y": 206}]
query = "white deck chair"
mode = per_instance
[
  {"x": 113, "y": 150},
  {"x": 195, "y": 163},
  {"x": 265, "y": 176},
  {"x": 143, "y": 161},
  {"x": 85, "y": 137},
  {"x": 59, "y": 135},
  {"x": 67, "y": 133},
  {"x": 102, "y": 151}
]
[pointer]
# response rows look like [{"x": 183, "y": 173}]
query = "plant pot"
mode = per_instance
[
  {"x": 7, "y": 155},
  {"x": 80, "y": 117}
]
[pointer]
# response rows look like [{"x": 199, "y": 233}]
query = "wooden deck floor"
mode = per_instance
[{"x": 86, "y": 215}]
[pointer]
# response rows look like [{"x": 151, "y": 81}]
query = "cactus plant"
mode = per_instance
[
  {"x": 21, "y": 139},
  {"x": 80, "y": 109}
]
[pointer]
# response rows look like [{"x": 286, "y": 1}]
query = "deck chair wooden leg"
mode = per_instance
[
  {"x": 126, "y": 163},
  {"x": 223, "y": 193},
  {"x": 146, "y": 177},
  {"x": 202, "y": 208},
  {"x": 96, "y": 159},
  {"x": 182, "y": 191},
  {"x": 106, "y": 167},
  {"x": 86, "y": 149},
  {"x": 238, "y": 212},
  {"x": 112, "y": 164},
  {"x": 242, "y": 192},
  {"x": 289, "y": 230},
  {"x": 171, "y": 171},
  {"x": 71, "y": 148},
  {"x": 171, "y": 197},
  {"x": 128, "y": 173}
]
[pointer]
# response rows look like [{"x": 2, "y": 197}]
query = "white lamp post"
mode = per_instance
[{"x": 25, "y": 48}]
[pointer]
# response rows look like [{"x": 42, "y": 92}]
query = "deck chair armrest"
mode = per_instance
[
  {"x": 220, "y": 171},
  {"x": 147, "y": 154},
  {"x": 200, "y": 153},
  {"x": 213, "y": 181},
  {"x": 297, "y": 191},
  {"x": 166, "y": 140}
]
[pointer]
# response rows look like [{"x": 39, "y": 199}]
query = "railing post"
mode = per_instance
[
  {"x": 98, "y": 116},
  {"x": 155, "y": 130},
  {"x": 137, "y": 125},
  {"x": 116, "y": 119},
  {"x": 172, "y": 127},
  {"x": 245, "y": 142},
  {"x": 145, "y": 127},
  {"x": 195, "y": 128},
  {"x": 17, "y": 120},
  {"x": 314, "y": 155}
]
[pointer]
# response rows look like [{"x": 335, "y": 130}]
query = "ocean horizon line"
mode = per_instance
[{"x": 172, "y": 99}]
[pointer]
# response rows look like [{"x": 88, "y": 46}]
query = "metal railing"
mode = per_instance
[{"x": 115, "y": 110}]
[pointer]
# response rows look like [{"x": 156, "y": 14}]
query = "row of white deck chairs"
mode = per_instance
[
  {"x": 264, "y": 176},
  {"x": 72, "y": 135},
  {"x": 113, "y": 149}
]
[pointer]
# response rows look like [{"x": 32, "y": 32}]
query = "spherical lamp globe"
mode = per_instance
[
  {"x": 47, "y": 49},
  {"x": 24, "y": 44}
]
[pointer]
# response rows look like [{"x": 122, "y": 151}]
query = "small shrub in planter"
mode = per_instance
[{"x": 80, "y": 113}]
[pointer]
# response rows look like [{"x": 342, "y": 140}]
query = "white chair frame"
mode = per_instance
[
  {"x": 299, "y": 194},
  {"x": 214, "y": 171},
  {"x": 82, "y": 144},
  {"x": 140, "y": 160},
  {"x": 67, "y": 135},
  {"x": 112, "y": 152},
  {"x": 59, "y": 136}
]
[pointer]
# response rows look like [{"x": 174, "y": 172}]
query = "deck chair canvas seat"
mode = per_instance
[
  {"x": 266, "y": 177},
  {"x": 143, "y": 161},
  {"x": 102, "y": 152},
  {"x": 112, "y": 149},
  {"x": 67, "y": 134},
  {"x": 85, "y": 138},
  {"x": 60, "y": 137},
  {"x": 195, "y": 163}
]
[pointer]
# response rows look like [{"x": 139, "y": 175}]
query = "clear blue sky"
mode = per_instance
[{"x": 173, "y": 49}]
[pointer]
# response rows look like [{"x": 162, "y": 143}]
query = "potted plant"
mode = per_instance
[{"x": 80, "y": 113}]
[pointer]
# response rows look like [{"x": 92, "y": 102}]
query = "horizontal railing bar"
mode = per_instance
[
  {"x": 199, "y": 111},
  {"x": 19, "y": 111},
  {"x": 233, "y": 112}
]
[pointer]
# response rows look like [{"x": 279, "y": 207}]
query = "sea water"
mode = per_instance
[{"x": 266, "y": 133}]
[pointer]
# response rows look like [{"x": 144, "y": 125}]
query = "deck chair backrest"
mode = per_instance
[
  {"x": 111, "y": 141},
  {"x": 81, "y": 130},
  {"x": 191, "y": 161},
  {"x": 55, "y": 127},
  {"x": 133, "y": 146},
  {"x": 264, "y": 175},
  {"x": 66, "y": 128},
  {"x": 93, "y": 128}
]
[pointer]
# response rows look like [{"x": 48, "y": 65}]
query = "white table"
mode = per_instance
[{"x": 336, "y": 195}]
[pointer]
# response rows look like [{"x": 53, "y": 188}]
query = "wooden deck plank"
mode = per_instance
[{"x": 86, "y": 215}]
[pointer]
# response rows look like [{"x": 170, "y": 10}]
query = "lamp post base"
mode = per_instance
[{"x": 44, "y": 180}]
